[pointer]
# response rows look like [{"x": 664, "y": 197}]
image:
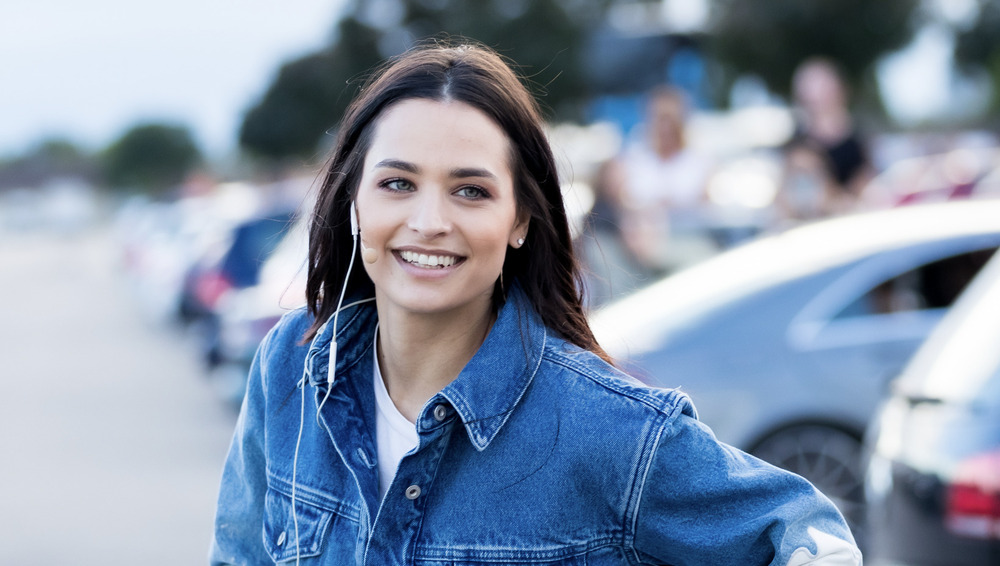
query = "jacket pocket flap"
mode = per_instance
[{"x": 279, "y": 527}]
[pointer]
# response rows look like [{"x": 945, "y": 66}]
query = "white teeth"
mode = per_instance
[{"x": 424, "y": 260}]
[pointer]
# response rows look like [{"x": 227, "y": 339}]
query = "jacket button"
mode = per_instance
[
  {"x": 413, "y": 492},
  {"x": 281, "y": 539},
  {"x": 440, "y": 412}
]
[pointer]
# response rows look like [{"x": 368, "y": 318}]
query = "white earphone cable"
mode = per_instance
[
  {"x": 295, "y": 465},
  {"x": 329, "y": 372},
  {"x": 333, "y": 341}
]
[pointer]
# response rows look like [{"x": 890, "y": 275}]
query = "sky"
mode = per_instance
[{"x": 88, "y": 70}]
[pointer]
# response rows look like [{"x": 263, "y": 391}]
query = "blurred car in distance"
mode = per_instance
[
  {"x": 246, "y": 315},
  {"x": 787, "y": 343},
  {"x": 933, "y": 476},
  {"x": 161, "y": 240},
  {"x": 960, "y": 173},
  {"x": 232, "y": 265}
]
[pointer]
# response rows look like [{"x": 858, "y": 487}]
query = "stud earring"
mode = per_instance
[{"x": 520, "y": 242}]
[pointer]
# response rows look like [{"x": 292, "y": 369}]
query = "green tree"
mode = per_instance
[
  {"x": 151, "y": 157},
  {"x": 50, "y": 159},
  {"x": 543, "y": 37},
  {"x": 769, "y": 38},
  {"x": 309, "y": 95}
]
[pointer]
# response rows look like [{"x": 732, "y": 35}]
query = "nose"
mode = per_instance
[{"x": 429, "y": 216}]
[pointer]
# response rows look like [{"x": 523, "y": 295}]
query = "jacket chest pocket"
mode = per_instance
[{"x": 318, "y": 528}]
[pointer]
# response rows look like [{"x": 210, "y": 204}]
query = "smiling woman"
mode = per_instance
[
  {"x": 436, "y": 199},
  {"x": 459, "y": 409}
]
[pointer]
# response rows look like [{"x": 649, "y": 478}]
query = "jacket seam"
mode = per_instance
[
  {"x": 453, "y": 553},
  {"x": 265, "y": 352},
  {"x": 631, "y": 519},
  {"x": 316, "y": 498},
  {"x": 672, "y": 396}
]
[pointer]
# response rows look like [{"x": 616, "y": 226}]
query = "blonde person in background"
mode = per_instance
[{"x": 663, "y": 195}]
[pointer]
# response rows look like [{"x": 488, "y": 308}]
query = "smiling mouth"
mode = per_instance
[{"x": 428, "y": 261}]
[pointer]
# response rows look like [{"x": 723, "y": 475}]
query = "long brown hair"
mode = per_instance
[{"x": 544, "y": 266}]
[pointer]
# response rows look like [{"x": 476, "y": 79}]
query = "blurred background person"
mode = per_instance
[
  {"x": 611, "y": 270},
  {"x": 825, "y": 121},
  {"x": 808, "y": 190},
  {"x": 662, "y": 189}
]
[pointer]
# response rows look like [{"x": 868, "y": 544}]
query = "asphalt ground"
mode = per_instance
[{"x": 111, "y": 440}]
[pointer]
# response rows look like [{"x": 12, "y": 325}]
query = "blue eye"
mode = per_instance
[
  {"x": 400, "y": 185},
  {"x": 472, "y": 192}
]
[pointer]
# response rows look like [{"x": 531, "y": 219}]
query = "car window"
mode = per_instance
[
  {"x": 930, "y": 286},
  {"x": 961, "y": 359}
]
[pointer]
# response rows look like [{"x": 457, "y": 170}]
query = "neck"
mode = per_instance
[
  {"x": 666, "y": 149},
  {"x": 419, "y": 354},
  {"x": 830, "y": 126}
]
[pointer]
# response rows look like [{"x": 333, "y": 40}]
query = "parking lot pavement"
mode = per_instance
[{"x": 111, "y": 440}]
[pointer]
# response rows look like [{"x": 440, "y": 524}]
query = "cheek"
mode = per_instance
[
  {"x": 372, "y": 222},
  {"x": 492, "y": 243}
]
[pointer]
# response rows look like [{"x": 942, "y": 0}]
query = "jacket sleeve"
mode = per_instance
[
  {"x": 238, "y": 537},
  {"x": 703, "y": 502}
]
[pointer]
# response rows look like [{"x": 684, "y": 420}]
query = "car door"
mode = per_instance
[{"x": 862, "y": 329}]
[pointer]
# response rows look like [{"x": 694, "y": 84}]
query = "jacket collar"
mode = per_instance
[
  {"x": 490, "y": 386},
  {"x": 355, "y": 330},
  {"x": 485, "y": 392}
]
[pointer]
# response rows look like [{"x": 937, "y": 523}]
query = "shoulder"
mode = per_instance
[
  {"x": 290, "y": 329},
  {"x": 590, "y": 379},
  {"x": 283, "y": 345}
]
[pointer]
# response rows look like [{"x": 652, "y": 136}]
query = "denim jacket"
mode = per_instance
[{"x": 537, "y": 453}]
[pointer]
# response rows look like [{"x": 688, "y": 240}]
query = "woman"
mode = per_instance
[
  {"x": 448, "y": 404},
  {"x": 826, "y": 124}
]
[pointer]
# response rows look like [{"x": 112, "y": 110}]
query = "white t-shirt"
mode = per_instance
[
  {"x": 677, "y": 182},
  {"x": 394, "y": 434}
]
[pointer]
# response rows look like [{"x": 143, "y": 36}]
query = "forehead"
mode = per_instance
[{"x": 421, "y": 130}]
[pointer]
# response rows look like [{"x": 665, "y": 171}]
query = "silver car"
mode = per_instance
[{"x": 786, "y": 344}]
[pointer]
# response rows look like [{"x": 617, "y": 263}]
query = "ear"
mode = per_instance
[{"x": 520, "y": 231}]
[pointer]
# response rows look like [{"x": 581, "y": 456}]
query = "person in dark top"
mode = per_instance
[{"x": 825, "y": 121}]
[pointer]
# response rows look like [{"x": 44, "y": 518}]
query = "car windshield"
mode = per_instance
[{"x": 960, "y": 361}]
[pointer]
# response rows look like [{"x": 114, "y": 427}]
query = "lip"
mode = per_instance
[{"x": 424, "y": 272}]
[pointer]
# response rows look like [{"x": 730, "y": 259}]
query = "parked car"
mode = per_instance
[
  {"x": 233, "y": 264},
  {"x": 961, "y": 173},
  {"x": 933, "y": 478},
  {"x": 786, "y": 344},
  {"x": 246, "y": 315},
  {"x": 160, "y": 241}
]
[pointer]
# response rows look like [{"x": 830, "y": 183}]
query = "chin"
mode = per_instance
[{"x": 441, "y": 301}]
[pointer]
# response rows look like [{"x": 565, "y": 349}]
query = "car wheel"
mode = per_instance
[{"x": 828, "y": 457}]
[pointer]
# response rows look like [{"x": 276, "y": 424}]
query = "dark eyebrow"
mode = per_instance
[
  {"x": 465, "y": 172},
  {"x": 457, "y": 173},
  {"x": 398, "y": 164}
]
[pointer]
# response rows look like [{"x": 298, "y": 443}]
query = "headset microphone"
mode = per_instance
[{"x": 370, "y": 255}]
